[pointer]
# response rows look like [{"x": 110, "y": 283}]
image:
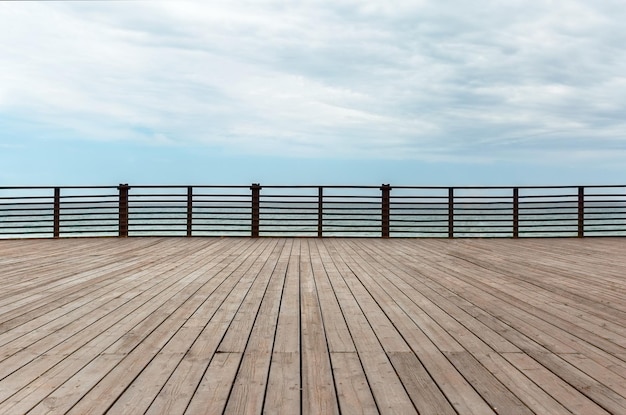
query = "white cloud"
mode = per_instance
[{"x": 395, "y": 79}]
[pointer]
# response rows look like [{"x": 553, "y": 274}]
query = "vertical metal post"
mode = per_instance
[
  {"x": 189, "y": 209},
  {"x": 123, "y": 209},
  {"x": 515, "y": 212},
  {"x": 581, "y": 211},
  {"x": 385, "y": 208},
  {"x": 56, "y": 227},
  {"x": 451, "y": 212},
  {"x": 320, "y": 211},
  {"x": 256, "y": 208}
]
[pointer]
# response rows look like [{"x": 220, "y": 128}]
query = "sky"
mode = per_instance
[{"x": 421, "y": 92}]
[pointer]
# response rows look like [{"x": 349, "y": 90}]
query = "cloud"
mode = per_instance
[{"x": 396, "y": 79}]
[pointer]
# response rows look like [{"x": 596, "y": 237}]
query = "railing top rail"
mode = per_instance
[
  {"x": 511, "y": 187},
  {"x": 54, "y": 187},
  {"x": 332, "y": 186},
  {"x": 197, "y": 186},
  {"x": 247, "y": 186}
]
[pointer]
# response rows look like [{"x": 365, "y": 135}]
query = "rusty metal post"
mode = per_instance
[
  {"x": 56, "y": 227},
  {"x": 256, "y": 208},
  {"x": 450, "y": 212},
  {"x": 123, "y": 209},
  {"x": 515, "y": 212},
  {"x": 320, "y": 211},
  {"x": 189, "y": 209},
  {"x": 581, "y": 211},
  {"x": 385, "y": 209}
]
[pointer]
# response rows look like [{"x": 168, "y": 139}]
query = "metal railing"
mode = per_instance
[{"x": 317, "y": 211}]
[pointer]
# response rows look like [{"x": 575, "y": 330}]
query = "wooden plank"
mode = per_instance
[
  {"x": 408, "y": 287},
  {"x": 288, "y": 329},
  {"x": 318, "y": 390},
  {"x": 604, "y": 396},
  {"x": 77, "y": 340},
  {"x": 216, "y": 384},
  {"x": 107, "y": 297},
  {"x": 528, "y": 345},
  {"x": 260, "y": 272},
  {"x": 49, "y": 297},
  {"x": 533, "y": 397},
  {"x": 238, "y": 333},
  {"x": 458, "y": 391},
  {"x": 111, "y": 388},
  {"x": 282, "y": 395},
  {"x": 136, "y": 348},
  {"x": 337, "y": 333},
  {"x": 36, "y": 398},
  {"x": 248, "y": 392},
  {"x": 493, "y": 391},
  {"x": 502, "y": 287},
  {"x": 183, "y": 383},
  {"x": 50, "y": 274},
  {"x": 353, "y": 390},
  {"x": 387, "y": 389},
  {"x": 549, "y": 336},
  {"x": 424, "y": 393},
  {"x": 566, "y": 321},
  {"x": 561, "y": 391}
]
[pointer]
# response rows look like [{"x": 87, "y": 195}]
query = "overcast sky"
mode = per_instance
[{"x": 313, "y": 92}]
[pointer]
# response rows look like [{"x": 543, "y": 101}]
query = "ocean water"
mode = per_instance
[{"x": 337, "y": 220}]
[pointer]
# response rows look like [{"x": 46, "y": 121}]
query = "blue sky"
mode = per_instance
[{"x": 313, "y": 92}]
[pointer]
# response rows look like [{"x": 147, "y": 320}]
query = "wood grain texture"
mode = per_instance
[{"x": 307, "y": 326}]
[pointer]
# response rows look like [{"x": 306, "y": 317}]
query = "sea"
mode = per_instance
[{"x": 338, "y": 220}]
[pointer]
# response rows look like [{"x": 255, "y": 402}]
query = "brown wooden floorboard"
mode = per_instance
[{"x": 312, "y": 326}]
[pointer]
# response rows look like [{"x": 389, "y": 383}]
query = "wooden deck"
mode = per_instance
[{"x": 313, "y": 326}]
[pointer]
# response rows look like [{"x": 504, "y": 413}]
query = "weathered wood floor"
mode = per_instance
[{"x": 313, "y": 326}]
